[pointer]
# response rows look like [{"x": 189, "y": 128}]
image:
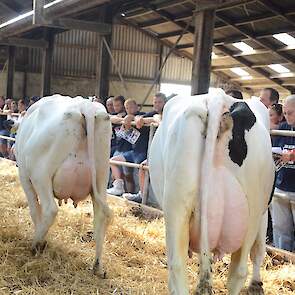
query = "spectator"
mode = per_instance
[
  {"x": 276, "y": 115},
  {"x": 235, "y": 93},
  {"x": 116, "y": 116},
  {"x": 132, "y": 140},
  {"x": 269, "y": 96},
  {"x": 3, "y": 130},
  {"x": 152, "y": 117},
  {"x": 7, "y": 106},
  {"x": 283, "y": 207},
  {"x": 33, "y": 100},
  {"x": 159, "y": 101},
  {"x": 13, "y": 107},
  {"x": 109, "y": 105},
  {"x": 118, "y": 104}
]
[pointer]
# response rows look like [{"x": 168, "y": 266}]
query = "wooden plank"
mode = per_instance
[
  {"x": 203, "y": 42},
  {"x": 21, "y": 42},
  {"x": 76, "y": 24},
  {"x": 281, "y": 254},
  {"x": 47, "y": 63},
  {"x": 10, "y": 71},
  {"x": 38, "y": 16}
]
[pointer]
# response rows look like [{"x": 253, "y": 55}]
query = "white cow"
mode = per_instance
[
  {"x": 212, "y": 172},
  {"x": 62, "y": 151}
]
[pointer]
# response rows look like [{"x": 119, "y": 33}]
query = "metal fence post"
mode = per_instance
[{"x": 146, "y": 174}]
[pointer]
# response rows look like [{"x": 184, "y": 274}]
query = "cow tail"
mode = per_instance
[
  {"x": 215, "y": 109},
  {"x": 89, "y": 115}
]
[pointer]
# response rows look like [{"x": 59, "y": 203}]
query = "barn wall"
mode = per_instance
[
  {"x": 18, "y": 84},
  {"x": 75, "y": 63}
]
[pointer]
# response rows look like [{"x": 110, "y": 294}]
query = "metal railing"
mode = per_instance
[{"x": 145, "y": 167}]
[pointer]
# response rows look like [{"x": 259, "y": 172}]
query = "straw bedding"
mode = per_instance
[{"x": 134, "y": 252}]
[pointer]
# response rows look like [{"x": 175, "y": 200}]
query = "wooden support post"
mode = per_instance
[
  {"x": 38, "y": 17},
  {"x": 160, "y": 61},
  {"x": 103, "y": 78},
  {"x": 10, "y": 71},
  {"x": 203, "y": 41},
  {"x": 47, "y": 63}
]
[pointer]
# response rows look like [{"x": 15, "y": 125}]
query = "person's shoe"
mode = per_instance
[
  {"x": 117, "y": 189},
  {"x": 133, "y": 197}
]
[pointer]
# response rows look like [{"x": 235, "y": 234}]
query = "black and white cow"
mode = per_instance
[{"x": 212, "y": 171}]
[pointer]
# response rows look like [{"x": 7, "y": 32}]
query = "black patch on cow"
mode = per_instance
[
  {"x": 243, "y": 119},
  {"x": 273, "y": 189}
]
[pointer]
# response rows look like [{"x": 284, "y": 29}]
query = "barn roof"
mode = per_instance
[{"x": 267, "y": 61}]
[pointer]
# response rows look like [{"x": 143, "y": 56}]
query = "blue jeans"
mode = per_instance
[
  {"x": 5, "y": 133},
  {"x": 132, "y": 157},
  {"x": 283, "y": 220}
]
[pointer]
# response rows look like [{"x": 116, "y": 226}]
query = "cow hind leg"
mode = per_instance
[
  {"x": 257, "y": 256},
  {"x": 177, "y": 241},
  {"x": 102, "y": 217},
  {"x": 32, "y": 198},
  {"x": 238, "y": 271},
  {"x": 43, "y": 188},
  {"x": 238, "y": 267}
]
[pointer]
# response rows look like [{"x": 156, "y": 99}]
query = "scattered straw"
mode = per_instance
[{"x": 134, "y": 252}]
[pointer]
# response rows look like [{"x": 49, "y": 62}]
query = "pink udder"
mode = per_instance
[
  {"x": 73, "y": 178},
  {"x": 228, "y": 215}
]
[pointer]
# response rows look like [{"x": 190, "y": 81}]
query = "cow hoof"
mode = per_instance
[
  {"x": 204, "y": 289},
  {"x": 38, "y": 248},
  {"x": 97, "y": 270},
  {"x": 255, "y": 288}
]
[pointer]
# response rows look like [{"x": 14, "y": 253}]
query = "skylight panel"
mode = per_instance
[
  {"x": 279, "y": 68},
  {"x": 243, "y": 46},
  {"x": 240, "y": 72},
  {"x": 285, "y": 38}
]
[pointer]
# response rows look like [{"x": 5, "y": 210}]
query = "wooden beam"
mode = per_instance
[
  {"x": 203, "y": 42},
  {"x": 221, "y": 25},
  {"x": 38, "y": 7},
  {"x": 277, "y": 11},
  {"x": 60, "y": 9},
  {"x": 238, "y": 38},
  {"x": 76, "y": 24},
  {"x": 158, "y": 21},
  {"x": 245, "y": 80},
  {"x": 261, "y": 42},
  {"x": 21, "y": 42},
  {"x": 103, "y": 77},
  {"x": 47, "y": 63},
  {"x": 242, "y": 37},
  {"x": 283, "y": 75},
  {"x": 152, "y": 35},
  {"x": 144, "y": 10},
  {"x": 228, "y": 67},
  {"x": 10, "y": 72},
  {"x": 170, "y": 34},
  {"x": 249, "y": 65},
  {"x": 12, "y": 5}
]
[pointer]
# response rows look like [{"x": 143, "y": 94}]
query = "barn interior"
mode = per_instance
[
  {"x": 62, "y": 47},
  {"x": 132, "y": 48}
]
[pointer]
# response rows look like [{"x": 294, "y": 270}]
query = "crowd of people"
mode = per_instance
[
  {"x": 129, "y": 143},
  {"x": 12, "y": 113}
]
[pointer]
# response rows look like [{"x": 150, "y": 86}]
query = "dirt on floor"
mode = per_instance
[{"x": 134, "y": 252}]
